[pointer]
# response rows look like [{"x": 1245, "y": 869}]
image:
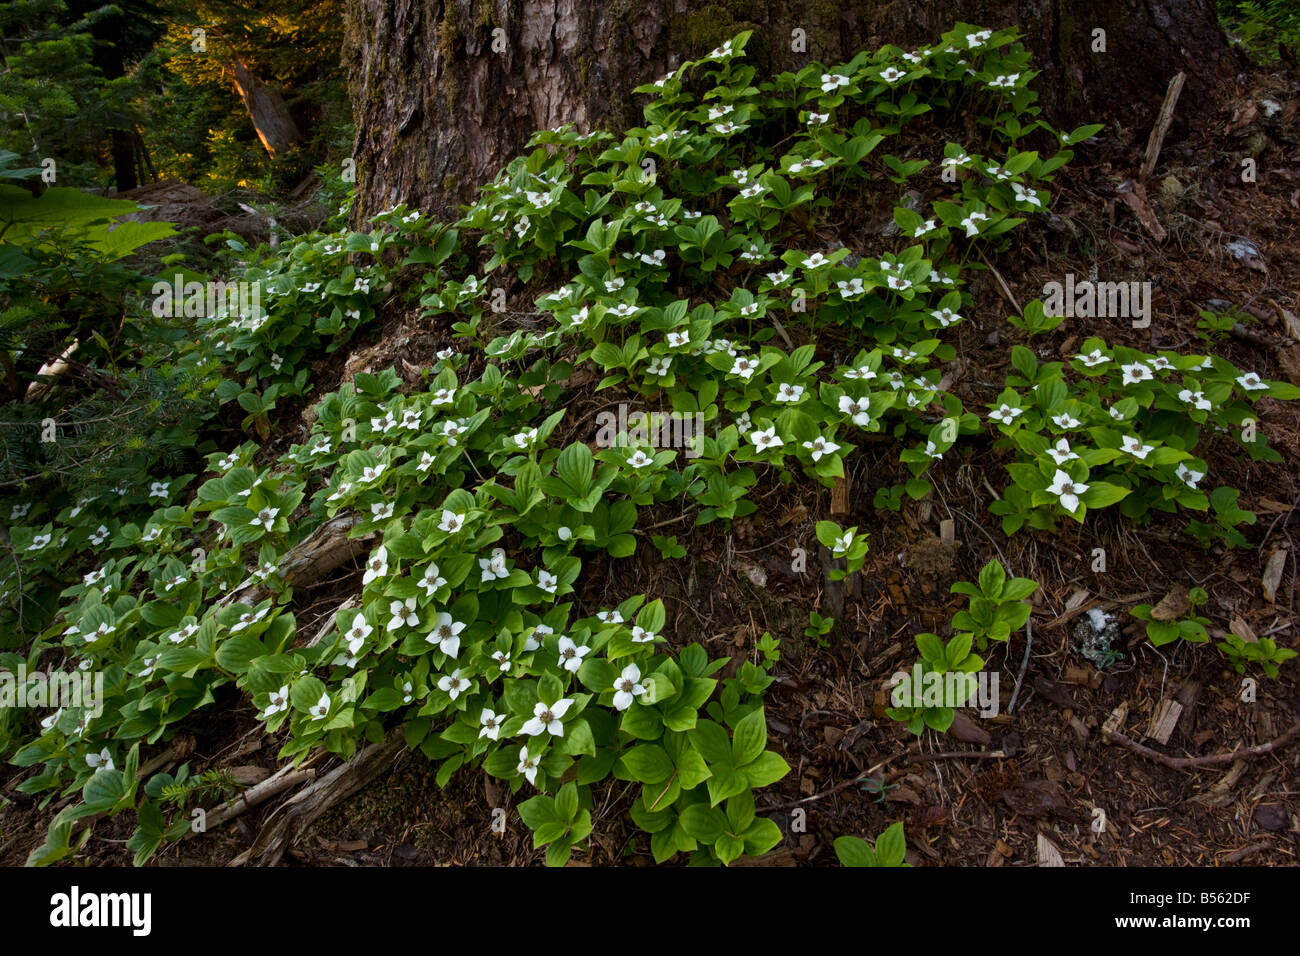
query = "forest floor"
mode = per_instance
[{"x": 993, "y": 790}]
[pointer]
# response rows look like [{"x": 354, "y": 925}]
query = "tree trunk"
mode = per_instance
[
  {"x": 445, "y": 92},
  {"x": 275, "y": 127}
]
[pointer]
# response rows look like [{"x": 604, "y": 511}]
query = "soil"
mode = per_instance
[{"x": 987, "y": 791}]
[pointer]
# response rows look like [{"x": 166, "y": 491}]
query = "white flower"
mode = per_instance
[
  {"x": 1093, "y": 358},
  {"x": 863, "y": 372},
  {"x": 265, "y": 518},
  {"x": 744, "y": 367},
  {"x": 609, "y": 617},
  {"x": 426, "y": 461},
  {"x": 93, "y": 578},
  {"x": 99, "y": 536},
  {"x": 1006, "y": 414},
  {"x": 443, "y": 396},
  {"x": 451, "y": 521},
  {"x": 928, "y": 226},
  {"x": 344, "y": 489},
  {"x": 1252, "y": 382},
  {"x": 641, "y": 636},
  {"x": 452, "y": 684},
  {"x": 655, "y": 258},
  {"x": 490, "y": 724},
  {"x": 382, "y": 425},
  {"x": 521, "y": 227},
  {"x": 184, "y": 634},
  {"x": 776, "y": 278},
  {"x": 158, "y": 490},
  {"x": 322, "y": 447},
  {"x": 892, "y": 75},
  {"x": 853, "y": 287},
  {"x": 382, "y": 510},
  {"x": 450, "y": 430},
  {"x": 815, "y": 261},
  {"x": 100, "y": 760},
  {"x": 431, "y": 581},
  {"x": 495, "y": 566},
  {"x": 571, "y": 654},
  {"x": 932, "y": 450},
  {"x": 525, "y": 438},
  {"x": 859, "y": 408},
  {"x": 833, "y": 81},
  {"x": 786, "y": 392},
  {"x": 445, "y": 354},
  {"x": 975, "y": 39},
  {"x": 1133, "y": 445},
  {"x": 640, "y": 459},
  {"x": 1061, "y": 453},
  {"x": 1064, "y": 420},
  {"x": 818, "y": 118},
  {"x": 1008, "y": 81},
  {"x": 376, "y": 565},
  {"x": 764, "y": 440},
  {"x": 361, "y": 285},
  {"x": 547, "y": 719},
  {"x": 842, "y": 543},
  {"x": 820, "y": 446},
  {"x": 358, "y": 632},
  {"x": 1067, "y": 490},
  {"x": 972, "y": 222},
  {"x": 659, "y": 367},
  {"x": 677, "y": 339},
  {"x": 528, "y": 765},
  {"x": 503, "y": 661},
  {"x": 321, "y": 708},
  {"x": 19, "y": 511},
  {"x": 1197, "y": 399},
  {"x": 946, "y": 317},
  {"x": 1188, "y": 476},
  {"x": 1137, "y": 372},
  {"x": 1026, "y": 195},
  {"x": 961, "y": 159},
  {"x": 39, "y": 541},
  {"x": 403, "y": 613},
  {"x": 626, "y": 687},
  {"x": 445, "y": 634},
  {"x": 751, "y": 309},
  {"x": 1116, "y": 414}
]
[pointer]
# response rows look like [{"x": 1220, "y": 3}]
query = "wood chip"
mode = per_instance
[
  {"x": 1273, "y": 569},
  {"x": 1173, "y": 605},
  {"x": 840, "y": 497},
  {"x": 948, "y": 531},
  {"x": 1115, "y": 722},
  {"x": 1048, "y": 854},
  {"x": 1164, "y": 719},
  {"x": 1243, "y": 630},
  {"x": 1078, "y": 597}
]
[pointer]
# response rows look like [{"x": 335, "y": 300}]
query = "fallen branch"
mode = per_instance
[
  {"x": 286, "y": 778},
  {"x": 1024, "y": 664},
  {"x": 868, "y": 774},
  {"x": 1164, "y": 118},
  {"x": 312, "y": 558},
  {"x": 297, "y": 813},
  {"x": 1185, "y": 763}
]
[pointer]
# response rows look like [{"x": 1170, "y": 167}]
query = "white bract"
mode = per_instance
[
  {"x": 626, "y": 687},
  {"x": 1067, "y": 490}
]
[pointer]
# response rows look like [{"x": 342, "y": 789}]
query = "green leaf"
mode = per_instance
[
  {"x": 648, "y": 763},
  {"x": 854, "y": 851},
  {"x": 750, "y": 738}
]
